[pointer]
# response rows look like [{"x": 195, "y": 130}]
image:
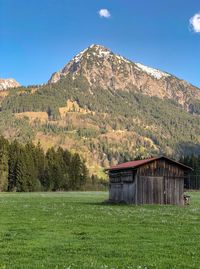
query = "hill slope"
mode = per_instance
[{"x": 107, "y": 108}]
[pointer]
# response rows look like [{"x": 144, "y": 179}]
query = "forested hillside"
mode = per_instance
[{"x": 105, "y": 125}]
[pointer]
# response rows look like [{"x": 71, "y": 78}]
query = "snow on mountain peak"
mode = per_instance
[
  {"x": 78, "y": 57},
  {"x": 96, "y": 50},
  {"x": 151, "y": 71}
]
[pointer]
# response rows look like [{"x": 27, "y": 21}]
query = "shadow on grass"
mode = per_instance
[{"x": 105, "y": 203}]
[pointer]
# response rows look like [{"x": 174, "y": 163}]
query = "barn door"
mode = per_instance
[
  {"x": 128, "y": 192},
  {"x": 150, "y": 190},
  {"x": 174, "y": 188},
  {"x": 115, "y": 192}
]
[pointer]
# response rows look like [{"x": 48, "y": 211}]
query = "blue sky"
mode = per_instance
[{"x": 38, "y": 37}]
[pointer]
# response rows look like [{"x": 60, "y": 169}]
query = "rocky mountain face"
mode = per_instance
[
  {"x": 8, "y": 83},
  {"x": 102, "y": 68}
]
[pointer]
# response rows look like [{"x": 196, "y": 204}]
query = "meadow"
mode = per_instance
[{"x": 77, "y": 230}]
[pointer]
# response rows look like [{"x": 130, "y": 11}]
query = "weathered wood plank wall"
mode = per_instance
[
  {"x": 158, "y": 182},
  {"x": 122, "y": 187}
]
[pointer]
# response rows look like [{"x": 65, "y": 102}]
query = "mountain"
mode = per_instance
[
  {"x": 102, "y": 68},
  {"x": 8, "y": 83},
  {"x": 106, "y": 108}
]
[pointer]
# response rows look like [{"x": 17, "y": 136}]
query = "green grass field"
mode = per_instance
[{"x": 75, "y": 230}]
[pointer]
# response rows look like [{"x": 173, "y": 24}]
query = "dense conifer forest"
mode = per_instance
[{"x": 25, "y": 168}]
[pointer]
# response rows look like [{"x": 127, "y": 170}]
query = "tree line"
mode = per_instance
[
  {"x": 25, "y": 168},
  {"x": 193, "y": 180}
]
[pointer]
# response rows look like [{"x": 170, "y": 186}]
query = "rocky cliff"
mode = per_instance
[
  {"x": 8, "y": 83},
  {"x": 102, "y": 68}
]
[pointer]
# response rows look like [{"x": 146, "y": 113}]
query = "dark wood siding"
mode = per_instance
[
  {"x": 160, "y": 182},
  {"x": 161, "y": 168},
  {"x": 150, "y": 190},
  {"x": 174, "y": 189},
  {"x": 122, "y": 187}
]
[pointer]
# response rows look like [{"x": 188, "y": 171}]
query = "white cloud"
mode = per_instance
[
  {"x": 104, "y": 13},
  {"x": 195, "y": 23}
]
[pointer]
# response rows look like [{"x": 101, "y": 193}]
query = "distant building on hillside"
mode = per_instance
[{"x": 158, "y": 180}]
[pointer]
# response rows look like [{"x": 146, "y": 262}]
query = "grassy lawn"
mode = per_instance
[{"x": 74, "y": 230}]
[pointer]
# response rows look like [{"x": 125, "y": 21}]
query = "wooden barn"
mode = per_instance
[{"x": 158, "y": 180}]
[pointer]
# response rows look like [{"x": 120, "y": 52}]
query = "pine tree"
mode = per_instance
[
  {"x": 14, "y": 151},
  {"x": 78, "y": 172},
  {"x": 52, "y": 171},
  {"x": 3, "y": 164},
  {"x": 21, "y": 179},
  {"x": 39, "y": 159}
]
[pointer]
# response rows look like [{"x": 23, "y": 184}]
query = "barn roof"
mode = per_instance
[{"x": 138, "y": 163}]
